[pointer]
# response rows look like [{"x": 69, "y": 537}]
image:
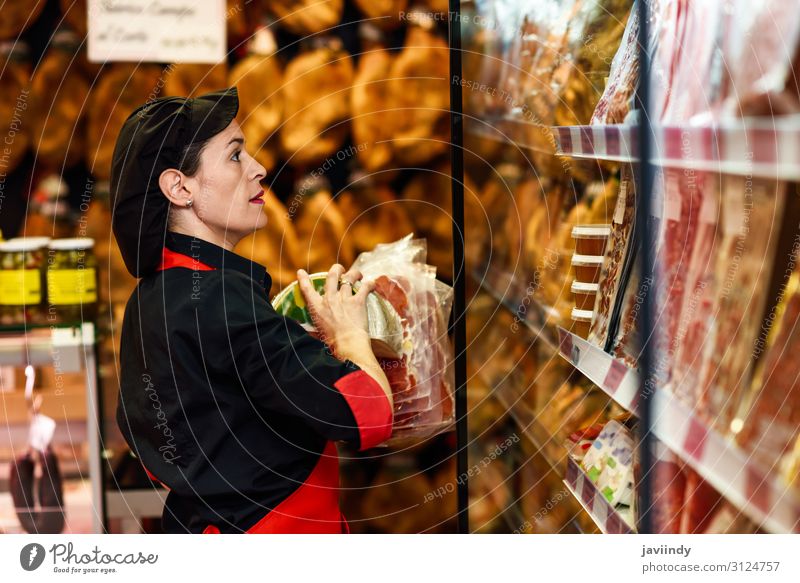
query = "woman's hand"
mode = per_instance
[{"x": 339, "y": 316}]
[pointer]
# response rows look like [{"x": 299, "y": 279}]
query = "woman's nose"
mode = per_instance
[{"x": 257, "y": 171}]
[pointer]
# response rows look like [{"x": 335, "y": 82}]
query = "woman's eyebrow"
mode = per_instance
[{"x": 239, "y": 141}]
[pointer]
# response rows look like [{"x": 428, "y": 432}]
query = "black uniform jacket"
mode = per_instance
[{"x": 233, "y": 407}]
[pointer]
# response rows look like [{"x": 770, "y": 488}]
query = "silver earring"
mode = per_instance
[{"x": 189, "y": 203}]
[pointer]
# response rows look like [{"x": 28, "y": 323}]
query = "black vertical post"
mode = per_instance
[
  {"x": 459, "y": 271},
  {"x": 646, "y": 266}
]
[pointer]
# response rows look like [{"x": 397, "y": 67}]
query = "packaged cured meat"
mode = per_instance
[
  {"x": 666, "y": 32},
  {"x": 373, "y": 119},
  {"x": 423, "y": 384},
  {"x": 696, "y": 312},
  {"x": 762, "y": 51},
  {"x": 618, "y": 261},
  {"x": 58, "y": 96},
  {"x": 258, "y": 78},
  {"x": 742, "y": 275},
  {"x": 770, "y": 413},
  {"x": 669, "y": 490},
  {"x": 316, "y": 102},
  {"x": 623, "y": 77},
  {"x": 419, "y": 95},
  {"x": 305, "y": 17},
  {"x": 701, "y": 503}
]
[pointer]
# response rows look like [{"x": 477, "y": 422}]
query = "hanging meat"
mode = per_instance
[
  {"x": 316, "y": 97},
  {"x": 191, "y": 80},
  {"x": 420, "y": 96},
  {"x": 75, "y": 12},
  {"x": 320, "y": 226},
  {"x": 259, "y": 77},
  {"x": 58, "y": 109},
  {"x": 306, "y": 17},
  {"x": 121, "y": 89},
  {"x": 373, "y": 120},
  {"x": 17, "y": 16},
  {"x": 276, "y": 246},
  {"x": 382, "y": 13},
  {"x": 13, "y": 115}
]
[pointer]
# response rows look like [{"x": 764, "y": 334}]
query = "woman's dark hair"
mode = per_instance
[{"x": 190, "y": 157}]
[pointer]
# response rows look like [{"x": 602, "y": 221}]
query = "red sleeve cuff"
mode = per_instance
[{"x": 370, "y": 407}]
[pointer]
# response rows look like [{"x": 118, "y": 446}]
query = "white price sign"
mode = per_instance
[{"x": 161, "y": 31}]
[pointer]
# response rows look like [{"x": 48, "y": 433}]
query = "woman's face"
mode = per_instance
[{"x": 226, "y": 190}]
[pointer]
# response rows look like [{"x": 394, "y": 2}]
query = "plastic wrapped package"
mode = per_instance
[
  {"x": 316, "y": 101},
  {"x": 701, "y": 504},
  {"x": 669, "y": 490},
  {"x": 594, "y": 36},
  {"x": 696, "y": 314},
  {"x": 742, "y": 271},
  {"x": 666, "y": 29},
  {"x": 771, "y": 410},
  {"x": 618, "y": 260},
  {"x": 422, "y": 382},
  {"x": 762, "y": 51},
  {"x": 623, "y": 77}
]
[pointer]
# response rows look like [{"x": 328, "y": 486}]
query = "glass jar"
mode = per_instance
[
  {"x": 22, "y": 264},
  {"x": 72, "y": 281}
]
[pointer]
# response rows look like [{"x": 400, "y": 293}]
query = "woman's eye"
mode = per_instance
[{"x": 235, "y": 156}]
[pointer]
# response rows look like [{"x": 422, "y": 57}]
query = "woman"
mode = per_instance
[{"x": 230, "y": 406}]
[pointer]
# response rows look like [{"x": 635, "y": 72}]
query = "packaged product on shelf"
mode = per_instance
[
  {"x": 701, "y": 503},
  {"x": 259, "y": 78},
  {"x": 373, "y": 120},
  {"x": 609, "y": 463},
  {"x": 696, "y": 313},
  {"x": 751, "y": 214},
  {"x": 419, "y": 94},
  {"x": 306, "y": 17},
  {"x": 57, "y": 107},
  {"x": 276, "y": 247},
  {"x": 623, "y": 77},
  {"x": 668, "y": 490},
  {"x": 193, "y": 80},
  {"x": 22, "y": 294},
  {"x": 316, "y": 101},
  {"x": 666, "y": 37},
  {"x": 770, "y": 411},
  {"x": 618, "y": 261},
  {"x": 319, "y": 224},
  {"x": 72, "y": 278},
  {"x": 762, "y": 51},
  {"x": 594, "y": 34},
  {"x": 120, "y": 90}
]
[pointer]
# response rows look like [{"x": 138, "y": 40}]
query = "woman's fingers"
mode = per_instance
[
  {"x": 332, "y": 280},
  {"x": 307, "y": 288},
  {"x": 353, "y": 275},
  {"x": 367, "y": 286}
]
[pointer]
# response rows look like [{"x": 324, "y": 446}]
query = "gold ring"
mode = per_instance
[{"x": 343, "y": 281}]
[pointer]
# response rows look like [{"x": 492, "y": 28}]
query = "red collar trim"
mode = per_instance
[{"x": 170, "y": 259}]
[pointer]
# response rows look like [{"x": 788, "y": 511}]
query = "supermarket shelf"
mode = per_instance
[
  {"x": 759, "y": 494},
  {"x": 720, "y": 461},
  {"x": 609, "y": 519},
  {"x": 766, "y": 148},
  {"x": 754, "y": 147},
  {"x": 512, "y": 294},
  {"x": 63, "y": 347},
  {"x": 608, "y": 373}
]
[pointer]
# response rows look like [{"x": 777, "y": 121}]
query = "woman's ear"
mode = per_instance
[{"x": 173, "y": 184}]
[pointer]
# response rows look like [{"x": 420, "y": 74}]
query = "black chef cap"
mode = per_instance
[{"x": 152, "y": 140}]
